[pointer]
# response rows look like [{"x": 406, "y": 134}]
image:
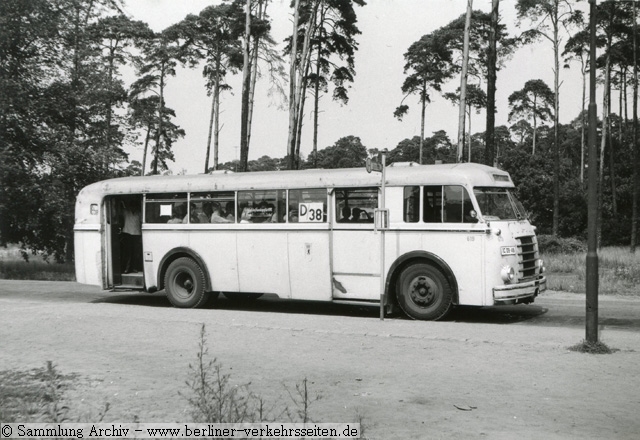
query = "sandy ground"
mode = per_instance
[{"x": 407, "y": 379}]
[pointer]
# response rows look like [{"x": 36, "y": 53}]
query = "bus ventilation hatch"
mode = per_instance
[{"x": 527, "y": 256}]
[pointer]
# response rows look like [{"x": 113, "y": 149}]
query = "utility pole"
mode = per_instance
[{"x": 592, "y": 225}]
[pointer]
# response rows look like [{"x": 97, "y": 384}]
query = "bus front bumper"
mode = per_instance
[{"x": 519, "y": 293}]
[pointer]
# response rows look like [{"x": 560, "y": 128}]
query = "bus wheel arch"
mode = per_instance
[
  {"x": 198, "y": 269},
  {"x": 434, "y": 266}
]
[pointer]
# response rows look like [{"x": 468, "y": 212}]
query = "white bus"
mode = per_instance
[{"x": 453, "y": 234}]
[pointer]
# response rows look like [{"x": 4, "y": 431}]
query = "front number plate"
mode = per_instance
[{"x": 508, "y": 250}]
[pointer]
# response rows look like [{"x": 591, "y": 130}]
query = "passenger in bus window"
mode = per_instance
[
  {"x": 244, "y": 215},
  {"x": 206, "y": 213},
  {"x": 201, "y": 213},
  {"x": 429, "y": 212},
  {"x": 230, "y": 211},
  {"x": 132, "y": 237},
  {"x": 197, "y": 214},
  {"x": 355, "y": 215},
  {"x": 177, "y": 214},
  {"x": 216, "y": 216},
  {"x": 470, "y": 215},
  {"x": 192, "y": 217},
  {"x": 346, "y": 213}
]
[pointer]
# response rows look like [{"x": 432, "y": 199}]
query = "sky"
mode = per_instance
[{"x": 388, "y": 28}]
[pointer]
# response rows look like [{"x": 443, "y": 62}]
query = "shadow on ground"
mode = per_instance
[{"x": 268, "y": 303}]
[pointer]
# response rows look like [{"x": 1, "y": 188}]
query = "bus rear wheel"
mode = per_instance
[
  {"x": 184, "y": 283},
  {"x": 423, "y": 292}
]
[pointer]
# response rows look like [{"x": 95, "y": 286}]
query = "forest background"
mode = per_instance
[{"x": 88, "y": 88}]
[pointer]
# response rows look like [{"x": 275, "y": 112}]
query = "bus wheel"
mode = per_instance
[
  {"x": 423, "y": 292},
  {"x": 184, "y": 284}
]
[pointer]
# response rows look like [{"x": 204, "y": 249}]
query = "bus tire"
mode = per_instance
[
  {"x": 423, "y": 292},
  {"x": 184, "y": 284}
]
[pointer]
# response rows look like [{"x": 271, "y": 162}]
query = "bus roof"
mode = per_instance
[{"x": 469, "y": 174}]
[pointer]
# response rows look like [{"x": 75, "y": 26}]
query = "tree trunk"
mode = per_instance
[
  {"x": 146, "y": 146},
  {"x": 297, "y": 88},
  {"x": 489, "y": 153},
  {"x": 463, "y": 80},
  {"x": 603, "y": 140},
  {"x": 209, "y": 136},
  {"x": 612, "y": 172},
  {"x": 246, "y": 85},
  {"x": 583, "y": 122},
  {"x": 254, "y": 73},
  {"x": 469, "y": 152},
  {"x": 316, "y": 106},
  {"x": 216, "y": 124},
  {"x": 109, "y": 109},
  {"x": 535, "y": 128},
  {"x": 293, "y": 122},
  {"x": 422, "y": 119},
  {"x": 556, "y": 146},
  {"x": 160, "y": 112}
]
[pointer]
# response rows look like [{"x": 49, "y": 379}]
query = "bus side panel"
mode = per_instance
[
  {"x": 309, "y": 266},
  {"x": 218, "y": 250},
  {"x": 263, "y": 264},
  {"x": 463, "y": 252},
  {"x": 88, "y": 261},
  {"x": 356, "y": 264}
]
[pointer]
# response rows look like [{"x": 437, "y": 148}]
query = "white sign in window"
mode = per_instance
[
  {"x": 165, "y": 210},
  {"x": 310, "y": 213}
]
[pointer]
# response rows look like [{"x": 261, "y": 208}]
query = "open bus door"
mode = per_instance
[{"x": 118, "y": 251}]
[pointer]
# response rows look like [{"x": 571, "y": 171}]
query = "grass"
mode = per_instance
[
  {"x": 592, "y": 348},
  {"x": 618, "y": 271},
  {"x": 34, "y": 395},
  {"x": 214, "y": 398},
  {"x": 14, "y": 267},
  {"x": 37, "y": 396}
]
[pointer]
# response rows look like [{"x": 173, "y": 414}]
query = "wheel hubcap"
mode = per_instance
[
  {"x": 423, "y": 291},
  {"x": 184, "y": 284}
]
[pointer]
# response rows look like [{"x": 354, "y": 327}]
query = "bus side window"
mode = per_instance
[
  {"x": 411, "y": 206},
  {"x": 307, "y": 206},
  {"x": 215, "y": 207},
  {"x": 432, "y": 204},
  {"x": 165, "y": 208},
  {"x": 261, "y": 206},
  {"x": 458, "y": 205},
  {"x": 356, "y": 205}
]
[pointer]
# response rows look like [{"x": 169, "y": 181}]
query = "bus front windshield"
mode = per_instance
[{"x": 499, "y": 204}]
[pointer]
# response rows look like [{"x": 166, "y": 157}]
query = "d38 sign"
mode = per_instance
[{"x": 310, "y": 212}]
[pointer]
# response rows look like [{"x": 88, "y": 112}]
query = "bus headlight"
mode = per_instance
[
  {"x": 508, "y": 274},
  {"x": 541, "y": 268}
]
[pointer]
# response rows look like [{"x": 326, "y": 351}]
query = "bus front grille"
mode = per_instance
[{"x": 527, "y": 257}]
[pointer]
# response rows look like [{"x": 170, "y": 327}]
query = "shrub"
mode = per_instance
[{"x": 550, "y": 244}]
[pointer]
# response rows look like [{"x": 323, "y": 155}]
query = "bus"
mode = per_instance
[{"x": 424, "y": 238}]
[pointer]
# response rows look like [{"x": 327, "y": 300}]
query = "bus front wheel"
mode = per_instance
[
  {"x": 184, "y": 283},
  {"x": 423, "y": 292}
]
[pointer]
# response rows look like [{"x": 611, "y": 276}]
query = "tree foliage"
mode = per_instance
[
  {"x": 67, "y": 117},
  {"x": 322, "y": 51},
  {"x": 534, "y": 101}
]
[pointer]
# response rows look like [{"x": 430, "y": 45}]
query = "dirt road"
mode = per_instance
[{"x": 407, "y": 379}]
